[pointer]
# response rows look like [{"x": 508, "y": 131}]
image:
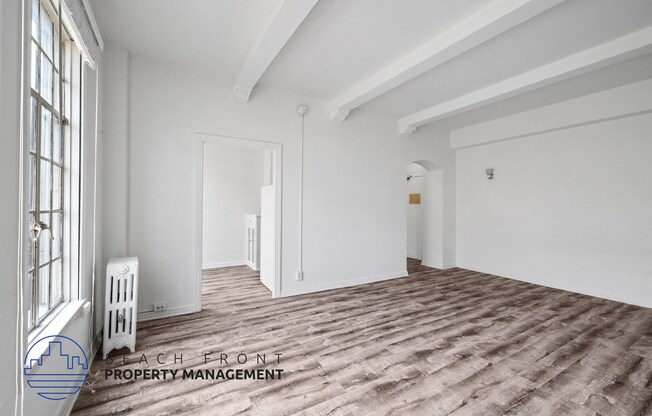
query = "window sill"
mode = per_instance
[{"x": 56, "y": 324}]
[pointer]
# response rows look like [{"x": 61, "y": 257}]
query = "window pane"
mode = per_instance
[
  {"x": 35, "y": 66},
  {"x": 57, "y": 282},
  {"x": 44, "y": 242},
  {"x": 56, "y": 141},
  {"x": 46, "y": 79},
  {"x": 44, "y": 290},
  {"x": 56, "y": 187},
  {"x": 46, "y": 32},
  {"x": 35, "y": 28},
  {"x": 46, "y": 132},
  {"x": 57, "y": 226},
  {"x": 46, "y": 185},
  {"x": 32, "y": 182},
  {"x": 30, "y": 244},
  {"x": 28, "y": 298},
  {"x": 46, "y": 144},
  {"x": 56, "y": 44},
  {"x": 55, "y": 89},
  {"x": 32, "y": 136}
]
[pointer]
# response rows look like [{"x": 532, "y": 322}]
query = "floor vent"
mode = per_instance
[{"x": 121, "y": 301}]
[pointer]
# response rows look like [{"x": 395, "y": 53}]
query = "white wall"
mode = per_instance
[
  {"x": 10, "y": 120},
  {"x": 440, "y": 185},
  {"x": 232, "y": 181},
  {"x": 91, "y": 248},
  {"x": 567, "y": 209},
  {"x": 415, "y": 213},
  {"x": 168, "y": 105},
  {"x": 433, "y": 227},
  {"x": 114, "y": 102}
]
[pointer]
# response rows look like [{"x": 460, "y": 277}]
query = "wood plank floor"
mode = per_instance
[{"x": 434, "y": 343}]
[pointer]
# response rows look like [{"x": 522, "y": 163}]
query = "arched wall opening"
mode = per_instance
[{"x": 425, "y": 208}]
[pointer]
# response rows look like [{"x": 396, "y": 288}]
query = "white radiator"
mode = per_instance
[{"x": 121, "y": 304}]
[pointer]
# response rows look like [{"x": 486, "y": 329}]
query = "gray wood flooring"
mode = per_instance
[{"x": 434, "y": 343}]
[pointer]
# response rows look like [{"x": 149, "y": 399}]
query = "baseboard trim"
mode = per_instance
[
  {"x": 437, "y": 265},
  {"x": 582, "y": 290},
  {"x": 180, "y": 310},
  {"x": 341, "y": 284},
  {"x": 224, "y": 264}
]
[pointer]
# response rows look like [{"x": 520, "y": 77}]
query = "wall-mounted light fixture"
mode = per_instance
[
  {"x": 412, "y": 176},
  {"x": 490, "y": 173}
]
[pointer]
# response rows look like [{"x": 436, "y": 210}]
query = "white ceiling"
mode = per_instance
[
  {"x": 341, "y": 43},
  {"x": 211, "y": 35},
  {"x": 568, "y": 28},
  {"x": 613, "y": 76}
]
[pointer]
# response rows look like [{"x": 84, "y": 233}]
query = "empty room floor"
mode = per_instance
[{"x": 434, "y": 343}]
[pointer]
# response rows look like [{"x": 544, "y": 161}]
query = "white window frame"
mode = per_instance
[{"x": 70, "y": 111}]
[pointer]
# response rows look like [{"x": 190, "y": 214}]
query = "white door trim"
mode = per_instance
[{"x": 241, "y": 143}]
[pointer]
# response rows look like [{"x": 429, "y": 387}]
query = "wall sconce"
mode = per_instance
[{"x": 490, "y": 173}]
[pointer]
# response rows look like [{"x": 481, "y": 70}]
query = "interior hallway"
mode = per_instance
[{"x": 436, "y": 342}]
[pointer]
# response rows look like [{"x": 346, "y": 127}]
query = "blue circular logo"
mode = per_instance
[{"x": 60, "y": 369}]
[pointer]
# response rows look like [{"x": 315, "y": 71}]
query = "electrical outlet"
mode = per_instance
[
  {"x": 300, "y": 275},
  {"x": 160, "y": 306}
]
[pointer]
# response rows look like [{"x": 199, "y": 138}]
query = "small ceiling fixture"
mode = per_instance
[{"x": 490, "y": 173}]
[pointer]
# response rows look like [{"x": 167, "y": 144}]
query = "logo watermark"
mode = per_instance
[
  {"x": 56, "y": 367},
  {"x": 60, "y": 369}
]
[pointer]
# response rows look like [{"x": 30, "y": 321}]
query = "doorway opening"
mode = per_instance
[
  {"x": 425, "y": 214},
  {"x": 239, "y": 218}
]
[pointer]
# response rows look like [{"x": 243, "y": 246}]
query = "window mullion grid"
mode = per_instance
[
  {"x": 37, "y": 180},
  {"x": 51, "y": 167},
  {"x": 59, "y": 68},
  {"x": 37, "y": 210},
  {"x": 41, "y": 104}
]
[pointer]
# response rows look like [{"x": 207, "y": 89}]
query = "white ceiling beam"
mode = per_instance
[
  {"x": 496, "y": 18},
  {"x": 609, "y": 53},
  {"x": 274, "y": 36},
  {"x": 632, "y": 99}
]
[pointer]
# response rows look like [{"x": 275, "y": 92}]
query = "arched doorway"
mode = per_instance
[{"x": 425, "y": 213}]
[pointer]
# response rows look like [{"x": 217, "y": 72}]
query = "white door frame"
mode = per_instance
[
  {"x": 427, "y": 258},
  {"x": 277, "y": 149}
]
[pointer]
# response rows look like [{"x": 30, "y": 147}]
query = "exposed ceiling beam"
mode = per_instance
[
  {"x": 632, "y": 99},
  {"x": 496, "y": 18},
  {"x": 274, "y": 36},
  {"x": 618, "y": 50}
]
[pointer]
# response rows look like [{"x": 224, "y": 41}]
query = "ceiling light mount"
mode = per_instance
[
  {"x": 490, "y": 173},
  {"x": 302, "y": 109}
]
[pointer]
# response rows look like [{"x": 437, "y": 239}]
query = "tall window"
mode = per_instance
[{"x": 49, "y": 166}]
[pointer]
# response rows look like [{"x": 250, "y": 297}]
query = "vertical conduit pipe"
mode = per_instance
[{"x": 302, "y": 110}]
